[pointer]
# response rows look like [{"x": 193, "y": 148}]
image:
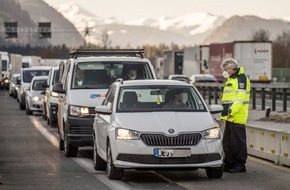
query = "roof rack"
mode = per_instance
[{"x": 107, "y": 52}]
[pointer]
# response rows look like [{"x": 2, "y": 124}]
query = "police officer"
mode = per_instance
[{"x": 235, "y": 101}]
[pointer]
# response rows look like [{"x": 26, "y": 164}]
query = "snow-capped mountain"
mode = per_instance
[
  {"x": 194, "y": 23},
  {"x": 185, "y": 30}
]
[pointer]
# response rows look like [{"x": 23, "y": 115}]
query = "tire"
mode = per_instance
[
  {"x": 28, "y": 112},
  {"x": 21, "y": 106},
  {"x": 215, "y": 172},
  {"x": 60, "y": 144},
  {"x": 60, "y": 141},
  {"x": 98, "y": 162},
  {"x": 69, "y": 150},
  {"x": 48, "y": 120},
  {"x": 112, "y": 171}
]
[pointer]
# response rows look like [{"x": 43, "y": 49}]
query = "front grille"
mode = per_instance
[
  {"x": 189, "y": 139},
  {"x": 150, "y": 159},
  {"x": 81, "y": 130},
  {"x": 92, "y": 111}
]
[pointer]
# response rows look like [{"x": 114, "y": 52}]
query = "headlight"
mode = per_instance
[
  {"x": 35, "y": 98},
  {"x": 78, "y": 111},
  {"x": 6, "y": 81},
  {"x": 214, "y": 133},
  {"x": 16, "y": 87},
  {"x": 125, "y": 134},
  {"x": 54, "y": 94}
]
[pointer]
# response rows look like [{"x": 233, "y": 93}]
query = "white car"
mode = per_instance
[
  {"x": 33, "y": 95},
  {"x": 135, "y": 129},
  {"x": 13, "y": 85},
  {"x": 194, "y": 79},
  {"x": 179, "y": 77},
  {"x": 50, "y": 100}
]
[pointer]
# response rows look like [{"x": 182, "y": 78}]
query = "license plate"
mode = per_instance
[{"x": 168, "y": 153}]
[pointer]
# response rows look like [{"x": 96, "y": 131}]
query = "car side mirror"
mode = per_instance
[
  {"x": 214, "y": 109},
  {"x": 42, "y": 92},
  {"x": 103, "y": 109},
  {"x": 58, "y": 88}
]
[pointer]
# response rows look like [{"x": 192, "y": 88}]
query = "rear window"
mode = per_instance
[
  {"x": 100, "y": 75},
  {"x": 29, "y": 74}
]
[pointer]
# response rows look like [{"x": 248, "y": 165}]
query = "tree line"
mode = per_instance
[{"x": 281, "y": 48}]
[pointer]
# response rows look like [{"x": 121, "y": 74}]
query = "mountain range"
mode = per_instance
[
  {"x": 73, "y": 25},
  {"x": 191, "y": 29}
]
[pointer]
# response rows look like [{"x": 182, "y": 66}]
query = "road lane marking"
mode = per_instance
[
  {"x": 85, "y": 163},
  {"x": 51, "y": 138}
]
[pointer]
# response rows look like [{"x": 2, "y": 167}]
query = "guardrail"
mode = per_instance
[{"x": 274, "y": 91}]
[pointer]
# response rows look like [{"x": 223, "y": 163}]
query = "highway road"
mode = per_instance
[{"x": 30, "y": 159}]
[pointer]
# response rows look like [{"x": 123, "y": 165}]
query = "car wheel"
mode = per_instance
[
  {"x": 98, "y": 162},
  {"x": 21, "y": 106},
  {"x": 60, "y": 141},
  {"x": 112, "y": 171},
  {"x": 69, "y": 150},
  {"x": 52, "y": 123},
  {"x": 215, "y": 172},
  {"x": 48, "y": 120},
  {"x": 27, "y": 110}
]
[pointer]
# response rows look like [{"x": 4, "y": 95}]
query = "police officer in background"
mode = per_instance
[{"x": 235, "y": 101}]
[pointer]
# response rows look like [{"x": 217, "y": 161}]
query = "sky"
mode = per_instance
[{"x": 136, "y": 9}]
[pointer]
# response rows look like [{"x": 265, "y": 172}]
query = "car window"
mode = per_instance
[
  {"x": 100, "y": 75},
  {"x": 29, "y": 74},
  {"x": 157, "y": 98}
]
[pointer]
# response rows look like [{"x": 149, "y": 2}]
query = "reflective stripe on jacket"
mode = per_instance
[{"x": 235, "y": 98}]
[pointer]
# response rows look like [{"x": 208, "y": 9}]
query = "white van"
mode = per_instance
[
  {"x": 85, "y": 79},
  {"x": 26, "y": 75}
]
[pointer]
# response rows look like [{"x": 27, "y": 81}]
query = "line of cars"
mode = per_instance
[{"x": 125, "y": 121}]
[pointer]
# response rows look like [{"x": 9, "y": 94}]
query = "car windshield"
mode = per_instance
[
  {"x": 37, "y": 85},
  {"x": 159, "y": 98},
  {"x": 29, "y": 74},
  {"x": 100, "y": 75}
]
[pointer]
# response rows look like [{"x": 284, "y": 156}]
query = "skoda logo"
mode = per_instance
[{"x": 171, "y": 130}]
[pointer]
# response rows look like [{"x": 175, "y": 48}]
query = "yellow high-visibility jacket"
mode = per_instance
[{"x": 235, "y": 98}]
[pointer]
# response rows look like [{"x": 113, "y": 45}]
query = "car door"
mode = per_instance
[
  {"x": 62, "y": 100},
  {"x": 103, "y": 122}
]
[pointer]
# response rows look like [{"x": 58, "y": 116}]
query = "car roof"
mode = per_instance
[
  {"x": 37, "y": 68},
  {"x": 153, "y": 82},
  {"x": 203, "y": 75},
  {"x": 39, "y": 77},
  {"x": 109, "y": 58}
]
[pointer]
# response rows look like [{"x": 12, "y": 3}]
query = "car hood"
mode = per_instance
[
  {"x": 163, "y": 121},
  {"x": 89, "y": 98},
  {"x": 36, "y": 93}
]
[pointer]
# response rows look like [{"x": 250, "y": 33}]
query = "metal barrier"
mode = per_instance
[{"x": 272, "y": 91}]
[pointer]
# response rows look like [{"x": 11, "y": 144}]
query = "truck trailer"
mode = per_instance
[
  {"x": 195, "y": 60},
  {"x": 254, "y": 56},
  {"x": 172, "y": 62}
]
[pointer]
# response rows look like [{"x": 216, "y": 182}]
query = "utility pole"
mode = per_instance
[{"x": 87, "y": 33}]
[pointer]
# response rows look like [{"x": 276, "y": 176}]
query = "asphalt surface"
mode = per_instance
[{"x": 29, "y": 161}]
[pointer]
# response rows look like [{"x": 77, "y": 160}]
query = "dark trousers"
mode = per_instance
[{"x": 235, "y": 144}]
